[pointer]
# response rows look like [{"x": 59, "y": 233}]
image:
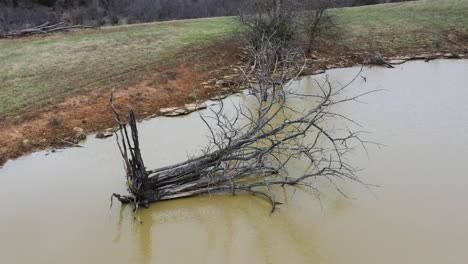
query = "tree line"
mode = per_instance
[{"x": 18, "y": 14}]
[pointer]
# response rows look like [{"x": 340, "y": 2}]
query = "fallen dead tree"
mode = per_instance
[
  {"x": 249, "y": 151},
  {"x": 45, "y": 28}
]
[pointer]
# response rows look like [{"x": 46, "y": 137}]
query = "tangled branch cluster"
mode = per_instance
[{"x": 248, "y": 152}]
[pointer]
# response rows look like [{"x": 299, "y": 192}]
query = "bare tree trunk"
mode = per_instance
[{"x": 278, "y": 4}]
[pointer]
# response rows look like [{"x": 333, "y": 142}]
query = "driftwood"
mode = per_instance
[
  {"x": 379, "y": 60},
  {"x": 45, "y": 28},
  {"x": 249, "y": 151}
]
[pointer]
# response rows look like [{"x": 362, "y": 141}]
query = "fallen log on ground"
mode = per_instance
[
  {"x": 45, "y": 28},
  {"x": 248, "y": 152}
]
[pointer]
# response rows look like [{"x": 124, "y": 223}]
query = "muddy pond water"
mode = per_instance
[{"x": 55, "y": 207}]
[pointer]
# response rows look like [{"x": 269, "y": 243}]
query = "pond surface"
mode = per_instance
[{"x": 55, "y": 207}]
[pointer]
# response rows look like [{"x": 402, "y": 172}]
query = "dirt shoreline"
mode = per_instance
[{"x": 63, "y": 124}]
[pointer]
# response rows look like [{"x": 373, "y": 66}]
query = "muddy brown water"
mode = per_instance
[{"x": 55, "y": 206}]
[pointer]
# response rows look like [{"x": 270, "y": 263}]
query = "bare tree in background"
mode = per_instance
[
  {"x": 268, "y": 18},
  {"x": 278, "y": 4},
  {"x": 248, "y": 152},
  {"x": 299, "y": 21},
  {"x": 315, "y": 21}
]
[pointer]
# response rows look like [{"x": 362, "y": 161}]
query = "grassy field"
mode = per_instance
[
  {"x": 42, "y": 70},
  {"x": 389, "y": 28}
]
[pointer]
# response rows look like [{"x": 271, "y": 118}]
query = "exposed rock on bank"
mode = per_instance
[
  {"x": 177, "y": 111},
  {"x": 106, "y": 133}
]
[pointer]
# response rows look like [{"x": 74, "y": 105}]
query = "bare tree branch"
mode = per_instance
[{"x": 249, "y": 151}]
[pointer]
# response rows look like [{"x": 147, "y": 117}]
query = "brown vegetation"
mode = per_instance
[{"x": 20, "y": 14}]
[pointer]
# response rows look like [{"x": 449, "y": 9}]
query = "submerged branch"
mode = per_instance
[{"x": 250, "y": 151}]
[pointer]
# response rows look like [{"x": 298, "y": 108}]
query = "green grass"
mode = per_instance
[
  {"x": 391, "y": 27},
  {"x": 38, "y": 71},
  {"x": 42, "y": 70}
]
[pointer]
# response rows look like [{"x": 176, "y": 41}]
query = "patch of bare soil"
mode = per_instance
[{"x": 66, "y": 123}]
